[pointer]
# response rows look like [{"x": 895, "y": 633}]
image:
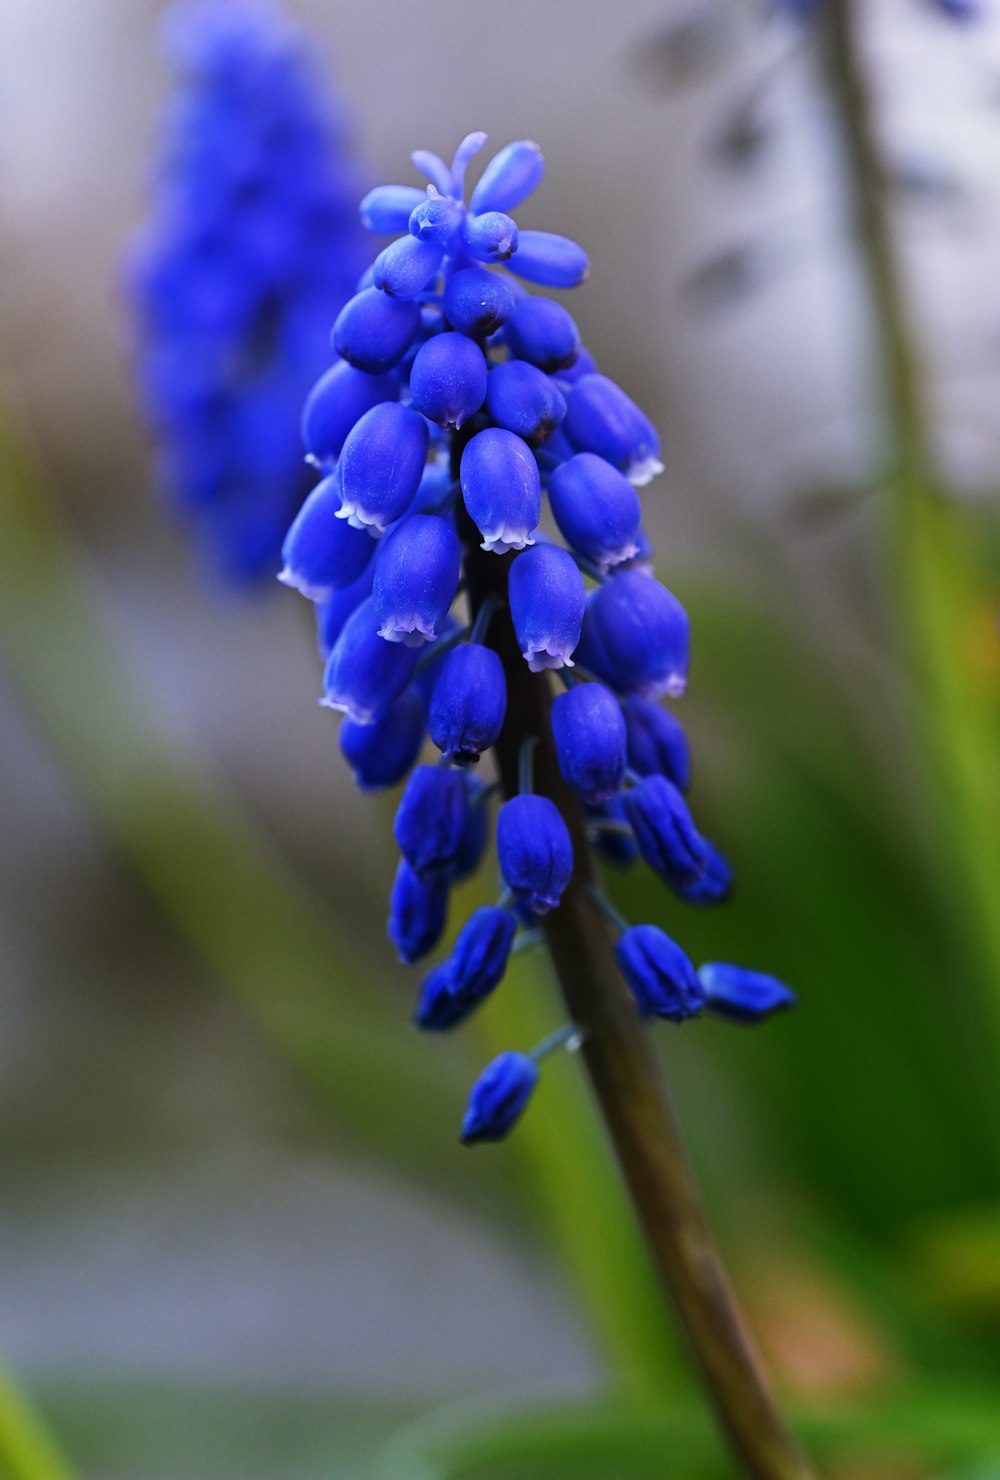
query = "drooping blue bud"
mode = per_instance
[
  {"x": 534, "y": 851},
  {"x": 502, "y": 489},
  {"x": 635, "y": 637},
  {"x": 664, "y": 830},
  {"x": 448, "y": 379},
  {"x": 418, "y": 909},
  {"x": 596, "y": 508},
  {"x": 332, "y": 615},
  {"x": 381, "y": 754},
  {"x": 589, "y": 734},
  {"x": 431, "y": 818},
  {"x": 437, "y": 1009},
  {"x": 584, "y": 364},
  {"x": 499, "y": 1097},
  {"x": 335, "y": 403},
  {"x": 714, "y": 885},
  {"x": 555, "y": 261},
  {"x": 382, "y": 464},
  {"x": 416, "y": 577},
  {"x": 523, "y": 400},
  {"x": 542, "y": 332},
  {"x": 657, "y": 744},
  {"x": 601, "y": 418},
  {"x": 547, "y": 599},
  {"x": 387, "y": 209},
  {"x": 492, "y": 237},
  {"x": 479, "y": 958},
  {"x": 373, "y": 331},
  {"x": 740, "y": 995},
  {"x": 436, "y": 219},
  {"x": 468, "y": 702},
  {"x": 322, "y": 553},
  {"x": 509, "y": 178},
  {"x": 475, "y": 836},
  {"x": 477, "y": 301},
  {"x": 364, "y": 673},
  {"x": 405, "y": 267},
  {"x": 663, "y": 980},
  {"x": 618, "y": 848}
]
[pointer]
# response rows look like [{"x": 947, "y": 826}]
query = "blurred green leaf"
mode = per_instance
[{"x": 27, "y": 1449}]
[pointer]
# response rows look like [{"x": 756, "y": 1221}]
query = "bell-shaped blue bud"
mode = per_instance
[
  {"x": 322, "y": 553},
  {"x": 643, "y": 559},
  {"x": 405, "y": 267},
  {"x": 479, "y": 958},
  {"x": 477, "y": 301},
  {"x": 381, "y": 754},
  {"x": 436, "y": 219},
  {"x": 335, "y": 403},
  {"x": 468, "y": 702},
  {"x": 416, "y": 577},
  {"x": 601, "y": 418},
  {"x": 418, "y": 909},
  {"x": 437, "y": 1009},
  {"x": 596, "y": 508},
  {"x": 542, "y": 332},
  {"x": 381, "y": 465},
  {"x": 534, "y": 851},
  {"x": 523, "y": 400},
  {"x": 509, "y": 178},
  {"x": 635, "y": 637},
  {"x": 663, "y": 980},
  {"x": 502, "y": 489},
  {"x": 584, "y": 364},
  {"x": 492, "y": 237},
  {"x": 657, "y": 744},
  {"x": 448, "y": 379},
  {"x": 387, "y": 209},
  {"x": 617, "y": 846},
  {"x": 664, "y": 830},
  {"x": 555, "y": 261},
  {"x": 472, "y": 848},
  {"x": 373, "y": 331},
  {"x": 499, "y": 1097},
  {"x": 740, "y": 995},
  {"x": 332, "y": 615},
  {"x": 547, "y": 600},
  {"x": 364, "y": 674},
  {"x": 589, "y": 734},
  {"x": 431, "y": 818},
  {"x": 714, "y": 884}
]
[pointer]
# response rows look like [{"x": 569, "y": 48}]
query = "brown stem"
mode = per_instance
[{"x": 628, "y": 1083}]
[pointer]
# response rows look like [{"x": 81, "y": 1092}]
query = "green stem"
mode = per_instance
[{"x": 27, "y": 1451}]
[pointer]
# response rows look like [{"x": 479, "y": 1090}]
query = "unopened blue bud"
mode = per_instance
[
  {"x": 589, "y": 734},
  {"x": 520, "y": 398},
  {"x": 479, "y": 958},
  {"x": 364, "y": 673},
  {"x": 502, "y": 489},
  {"x": 322, "y": 553},
  {"x": 601, "y": 418},
  {"x": 431, "y": 818},
  {"x": 596, "y": 508},
  {"x": 617, "y": 847},
  {"x": 382, "y": 464},
  {"x": 448, "y": 379},
  {"x": 437, "y": 1009},
  {"x": 468, "y": 702},
  {"x": 436, "y": 219},
  {"x": 509, "y": 178},
  {"x": 332, "y": 615},
  {"x": 664, "y": 830},
  {"x": 535, "y": 851},
  {"x": 381, "y": 754},
  {"x": 418, "y": 909},
  {"x": 337, "y": 400},
  {"x": 657, "y": 744},
  {"x": 499, "y": 1097},
  {"x": 387, "y": 208},
  {"x": 547, "y": 600},
  {"x": 743, "y": 996},
  {"x": 663, "y": 980},
  {"x": 555, "y": 261},
  {"x": 416, "y": 577},
  {"x": 373, "y": 331},
  {"x": 475, "y": 836},
  {"x": 477, "y": 301},
  {"x": 492, "y": 237},
  {"x": 405, "y": 267},
  {"x": 584, "y": 364},
  {"x": 715, "y": 883},
  {"x": 635, "y": 637},
  {"x": 542, "y": 332}
]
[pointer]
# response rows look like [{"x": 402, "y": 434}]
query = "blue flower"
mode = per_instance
[
  {"x": 479, "y": 959},
  {"x": 416, "y": 577},
  {"x": 601, "y": 418},
  {"x": 381, "y": 754},
  {"x": 431, "y": 818},
  {"x": 713, "y": 885},
  {"x": 523, "y": 400},
  {"x": 468, "y": 702},
  {"x": 547, "y": 602},
  {"x": 502, "y": 489},
  {"x": 597, "y": 509},
  {"x": 657, "y": 744},
  {"x": 323, "y": 553},
  {"x": 438, "y": 1009},
  {"x": 418, "y": 909},
  {"x": 743, "y": 996},
  {"x": 541, "y": 332},
  {"x": 665, "y": 832},
  {"x": 499, "y": 1097},
  {"x": 635, "y": 637},
  {"x": 535, "y": 851},
  {"x": 381, "y": 465},
  {"x": 662, "y": 978},
  {"x": 448, "y": 379},
  {"x": 364, "y": 674},
  {"x": 589, "y": 734}
]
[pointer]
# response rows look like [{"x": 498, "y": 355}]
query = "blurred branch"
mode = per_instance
[{"x": 27, "y": 1452}]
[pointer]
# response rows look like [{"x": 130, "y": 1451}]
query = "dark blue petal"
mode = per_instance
[
  {"x": 534, "y": 851},
  {"x": 596, "y": 508},
  {"x": 601, "y": 418},
  {"x": 714, "y": 884},
  {"x": 387, "y": 208},
  {"x": 416, "y": 577},
  {"x": 664, "y": 831},
  {"x": 635, "y": 637},
  {"x": 589, "y": 734},
  {"x": 547, "y": 600},
  {"x": 499, "y": 1097},
  {"x": 523, "y": 400},
  {"x": 382, "y": 464},
  {"x": 555, "y": 261},
  {"x": 479, "y": 958},
  {"x": 322, "y": 553},
  {"x": 381, "y": 754},
  {"x": 364, "y": 673},
  {"x": 509, "y": 178},
  {"x": 337, "y": 400},
  {"x": 332, "y": 615},
  {"x": 437, "y": 1010},
  {"x": 468, "y": 702},
  {"x": 406, "y": 266},
  {"x": 435, "y": 220},
  {"x": 542, "y": 332},
  {"x": 418, "y": 909},
  {"x": 743, "y": 996},
  {"x": 657, "y": 744},
  {"x": 663, "y": 980},
  {"x": 373, "y": 331},
  {"x": 448, "y": 379},
  {"x": 492, "y": 237},
  {"x": 502, "y": 489},
  {"x": 431, "y": 818},
  {"x": 477, "y": 301}
]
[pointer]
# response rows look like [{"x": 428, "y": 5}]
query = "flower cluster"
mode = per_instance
[
  {"x": 251, "y": 246},
  {"x": 460, "y": 405}
]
